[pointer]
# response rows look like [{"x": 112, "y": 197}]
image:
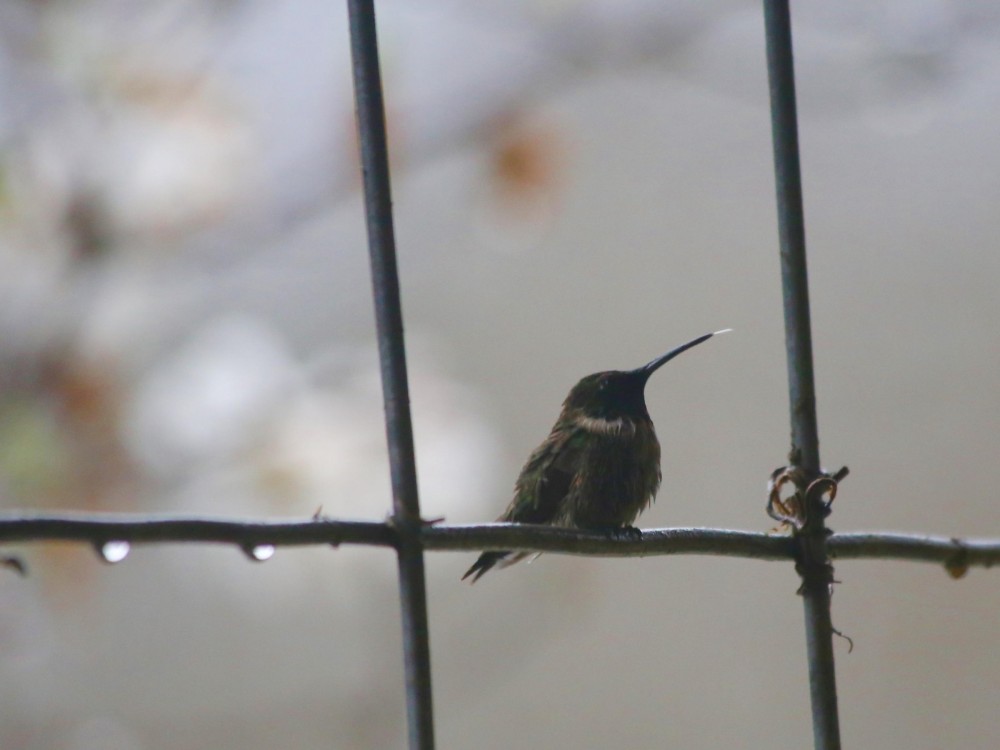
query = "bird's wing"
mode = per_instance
[
  {"x": 545, "y": 479},
  {"x": 538, "y": 494}
]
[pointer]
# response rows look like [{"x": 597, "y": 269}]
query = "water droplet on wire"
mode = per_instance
[
  {"x": 259, "y": 552},
  {"x": 114, "y": 551}
]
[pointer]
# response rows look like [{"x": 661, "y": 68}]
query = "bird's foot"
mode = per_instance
[{"x": 624, "y": 533}]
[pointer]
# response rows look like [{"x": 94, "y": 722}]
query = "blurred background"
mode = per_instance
[{"x": 186, "y": 327}]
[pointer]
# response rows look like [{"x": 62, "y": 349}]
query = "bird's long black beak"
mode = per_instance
[{"x": 646, "y": 370}]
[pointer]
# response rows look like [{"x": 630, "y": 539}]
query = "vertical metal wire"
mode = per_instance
[
  {"x": 801, "y": 390},
  {"x": 392, "y": 355}
]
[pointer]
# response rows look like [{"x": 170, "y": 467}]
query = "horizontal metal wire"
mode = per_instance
[{"x": 146, "y": 529}]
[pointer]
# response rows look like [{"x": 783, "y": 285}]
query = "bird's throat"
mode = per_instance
[{"x": 618, "y": 426}]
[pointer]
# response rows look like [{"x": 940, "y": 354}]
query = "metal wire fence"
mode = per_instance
[{"x": 811, "y": 546}]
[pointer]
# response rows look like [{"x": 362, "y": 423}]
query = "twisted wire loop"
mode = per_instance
[
  {"x": 792, "y": 512},
  {"x": 803, "y": 513}
]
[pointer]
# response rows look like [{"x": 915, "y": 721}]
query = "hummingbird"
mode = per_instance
[{"x": 599, "y": 468}]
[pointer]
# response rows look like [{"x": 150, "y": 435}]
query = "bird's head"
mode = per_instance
[{"x": 614, "y": 394}]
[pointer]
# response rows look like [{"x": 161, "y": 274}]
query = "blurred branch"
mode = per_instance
[{"x": 99, "y": 529}]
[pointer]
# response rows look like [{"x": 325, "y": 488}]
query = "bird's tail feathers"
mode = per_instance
[{"x": 489, "y": 560}]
